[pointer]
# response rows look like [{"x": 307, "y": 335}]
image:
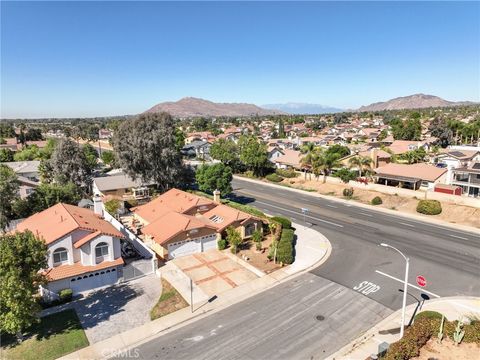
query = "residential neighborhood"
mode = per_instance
[{"x": 240, "y": 180}]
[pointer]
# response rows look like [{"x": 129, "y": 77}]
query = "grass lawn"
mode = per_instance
[
  {"x": 56, "y": 335},
  {"x": 169, "y": 301}
]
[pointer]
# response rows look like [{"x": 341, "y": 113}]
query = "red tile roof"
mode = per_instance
[
  {"x": 413, "y": 171},
  {"x": 66, "y": 271},
  {"x": 61, "y": 219}
]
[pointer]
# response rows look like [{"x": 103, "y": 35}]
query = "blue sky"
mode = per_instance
[{"x": 75, "y": 59}]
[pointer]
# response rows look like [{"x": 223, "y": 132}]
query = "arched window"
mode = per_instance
[
  {"x": 101, "y": 251},
  {"x": 60, "y": 256}
]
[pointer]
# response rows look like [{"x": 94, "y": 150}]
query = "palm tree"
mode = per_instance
[
  {"x": 324, "y": 162},
  {"x": 360, "y": 162},
  {"x": 309, "y": 150}
]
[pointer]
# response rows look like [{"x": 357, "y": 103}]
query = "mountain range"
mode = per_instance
[
  {"x": 416, "y": 101},
  {"x": 191, "y": 107},
  {"x": 303, "y": 108}
]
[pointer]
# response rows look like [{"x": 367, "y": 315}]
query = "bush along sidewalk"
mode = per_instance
[
  {"x": 430, "y": 324},
  {"x": 281, "y": 249}
]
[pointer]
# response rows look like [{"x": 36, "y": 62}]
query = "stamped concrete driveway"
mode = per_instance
[
  {"x": 110, "y": 311},
  {"x": 213, "y": 271}
]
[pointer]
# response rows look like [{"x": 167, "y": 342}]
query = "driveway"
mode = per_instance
[
  {"x": 213, "y": 271},
  {"x": 110, "y": 311}
]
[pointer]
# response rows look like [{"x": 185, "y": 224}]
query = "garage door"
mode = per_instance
[
  {"x": 183, "y": 248},
  {"x": 209, "y": 242},
  {"x": 93, "y": 280}
]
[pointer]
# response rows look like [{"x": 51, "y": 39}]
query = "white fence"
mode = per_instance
[{"x": 138, "y": 244}]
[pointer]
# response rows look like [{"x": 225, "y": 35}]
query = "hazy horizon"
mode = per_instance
[{"x": 87, "y": 59}]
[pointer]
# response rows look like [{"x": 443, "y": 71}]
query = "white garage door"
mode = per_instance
[
  {"x": 209, "y": 242},
  {"x": 93, "y": 280},
  {"x": 183, "y": 248}
]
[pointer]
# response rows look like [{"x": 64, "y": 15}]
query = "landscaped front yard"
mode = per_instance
[
  {"x": 56, "y": 335},
  {"x": 169, "y": 301}
]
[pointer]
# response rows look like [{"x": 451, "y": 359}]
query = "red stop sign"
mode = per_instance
[{"x": 421, "y": 281}]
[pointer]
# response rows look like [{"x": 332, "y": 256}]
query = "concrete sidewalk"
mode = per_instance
[
  {"x": 312, "y": 249},
  {"x": 387, "y": 331}
]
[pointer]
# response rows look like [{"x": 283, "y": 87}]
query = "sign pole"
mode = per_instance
[
  {"x": 191, "y": 295},
  {"x": 404, "y": 305}
]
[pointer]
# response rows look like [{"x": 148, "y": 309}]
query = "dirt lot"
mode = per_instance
[
  {"x": 448, "y": 351},
  {"x": 258, "y": 258},
  {"x": 169, "y": 301},
  {"x": 458, "y": 214}
]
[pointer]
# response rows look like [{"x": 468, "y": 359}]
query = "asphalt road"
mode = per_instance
[
  {"x": 315, "y": 314},
  {"x": 448, "y": 258}
]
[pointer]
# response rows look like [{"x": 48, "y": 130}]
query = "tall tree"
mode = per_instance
[
  {"x": 8, "y": 194},
  {"x": 253, "y": 154},
  {"x": 361, "y": 163},
  {"x": 215, "y": 177},
  {"x": 227, "y": 152},
  {"x": 324, "y": 162},
  {"x": 91, "y": 155},
  {"x": 69, "y": 164},
  {"x": 145, "y": 148},
  {"x": 23, "y": 257}
]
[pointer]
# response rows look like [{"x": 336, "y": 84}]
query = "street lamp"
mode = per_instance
[{"x": 405, "y": 285}]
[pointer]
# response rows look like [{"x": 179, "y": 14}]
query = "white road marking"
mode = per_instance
[
  {"x": 406, "y": 224},
  {"x": 458, "y": 237},
  {"x": 366, "y": 214},
  {"x": 366, "y": 287},
  {"x": 411, "y": 285},
  {"x": 298, "y": 213},
  {"x": 332, "y": 206}
]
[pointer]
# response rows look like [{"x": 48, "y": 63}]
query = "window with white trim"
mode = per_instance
[
  {"x": 60, "y": 256},
  {"x": 101, "y": 251}
]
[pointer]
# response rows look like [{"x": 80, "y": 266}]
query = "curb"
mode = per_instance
[
  {"x": 370, "y": 333},
  {"x": 97, "y": 350},
  {"x": 370, "y": 207}
]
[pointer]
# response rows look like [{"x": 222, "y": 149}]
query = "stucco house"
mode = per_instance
[
  {"x": 178, "y": 223},
  {"x": 84, "y": 251}
]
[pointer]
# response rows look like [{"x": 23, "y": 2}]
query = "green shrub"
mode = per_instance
[
  {"x": 222, "y": 244},
  {"x": 377, "y": 200},
  {"x": 428, "y": 314},
  {"x": 245, "y": 208},
  {"x": 285, "y": 222},
  {"x": 287, "y": 173},
  {"x": 345, "y": 175},
  {"x": 249, "y": 174},
  {"x": 65, "y": 295},
  {"x": 429, "y": 207},
  {"x": 285, "y": 247},
  {"x": 348, "y": 192},
  {"x": 274, "y": 178}
]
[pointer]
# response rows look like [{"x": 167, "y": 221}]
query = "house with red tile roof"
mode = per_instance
[
  {"x": 412, "y": 176},
  {"x": 84, "y": 250},
  {"x": 178, "y": 223}
]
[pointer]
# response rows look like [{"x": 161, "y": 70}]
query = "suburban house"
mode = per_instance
[
  {"x": 122, "y": 187},
  {"x": 27, "y": 169},
  {"x": 84, "y": 251},
  {"x": 273, "y": 152},
  {"x": 178, "y": 223},
  {"x": 456, "y": 158},
  {"x": 468, "y": 178},
  {"x": 290, "y": 159},
  {"x": 412, "y": 176},
  {"x": 398, "y": 147},
  {"x": 199, "y": 149},
  {"x": 10, "y": 143},
  {"x": 379, "y": 157}
]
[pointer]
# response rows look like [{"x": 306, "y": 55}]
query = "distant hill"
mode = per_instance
[
  {"x": 303, "y": 108},
  {"x": 417, "y": 101},
  {"x": 191, "y": 107}
]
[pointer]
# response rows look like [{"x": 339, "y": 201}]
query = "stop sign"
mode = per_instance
[{"x": 421, "y": 281}]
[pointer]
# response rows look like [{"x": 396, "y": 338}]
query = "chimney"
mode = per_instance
[
  {"x": 373, "y": 155},
  {"x": 97, "y": 205},
  {"x": 216, "y": 196}
]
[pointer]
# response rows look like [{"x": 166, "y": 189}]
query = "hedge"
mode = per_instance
[
  {"x": 285, "y": 247},
  {"x": 285, "y": 222},
  {"x": 287, "y": 173},
  {"x": 429, "y": 207},
  {"x": 65, "y": 295},
  {"x": 428, "y": 314},
  {"x": 377, "y": 200},
  {"x": 222, "y": 244},
  {"x": 274, "y": 178},
  {"x": 348, "y": 192},
  {"x": 245, "y": 208}
]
